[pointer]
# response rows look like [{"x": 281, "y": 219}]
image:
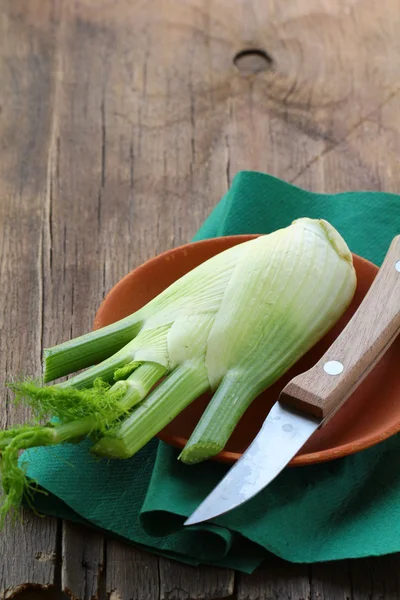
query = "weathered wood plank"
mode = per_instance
[
  {"x": 181, "y": 582},
  {"x": 144, "y": 177},
  {"x": 82, "y": 562},
  {"x": 28, "y": 550},
  {"x": 131, "y": 574},
  {"x": 375, "y": 578},
  {"x": 366, "y": 159},
  {"x": 331, "y": 580},
  {"x": 27, "y": 554},
  {"x": 74, "y": 269},
  {"x": 275, "y": 580}
]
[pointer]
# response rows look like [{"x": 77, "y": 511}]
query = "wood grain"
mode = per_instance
[
  {"x": 275, "y": 580},
  {"x": 375, "y": 578},
  {"x": 131, "y": 573},
  {"x": 331, "y": 580},
  {"x": 28, "y": 551},
  {"x": 179, "y": 582},
  {"x": 121, "y": 125},
  {"x": 82, "y": 562}
]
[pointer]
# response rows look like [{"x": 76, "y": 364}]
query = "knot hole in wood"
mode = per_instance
[{"x": 252, "y": 60}]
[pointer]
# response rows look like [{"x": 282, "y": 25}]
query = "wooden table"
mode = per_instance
[{"x": 122, "y": 123}]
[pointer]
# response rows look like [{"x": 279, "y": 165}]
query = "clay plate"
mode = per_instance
[{"x": 369, "y": 416}]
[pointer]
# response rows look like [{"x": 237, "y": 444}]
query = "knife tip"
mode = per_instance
[
  {"x": 196, "y": 517},
  {"x": 190, "y": 521}
]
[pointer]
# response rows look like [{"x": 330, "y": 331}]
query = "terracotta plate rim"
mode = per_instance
[{"x": 231, "y": 457}]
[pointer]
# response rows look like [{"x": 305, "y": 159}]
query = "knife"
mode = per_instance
[{"x": 310, "y": 399}]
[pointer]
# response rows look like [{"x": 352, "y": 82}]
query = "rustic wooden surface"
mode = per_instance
[{"x": 122, "y": 123}]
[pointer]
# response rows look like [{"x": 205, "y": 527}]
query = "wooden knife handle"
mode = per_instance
[{"x": 325, "y": 387}]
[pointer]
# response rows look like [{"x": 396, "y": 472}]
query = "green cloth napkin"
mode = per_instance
[{"x": 343, "y": 509}]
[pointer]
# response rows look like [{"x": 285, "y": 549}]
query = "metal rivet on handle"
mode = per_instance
[
  {"x": 333, "y": 367},
  {"x": 397, "y": 266}
]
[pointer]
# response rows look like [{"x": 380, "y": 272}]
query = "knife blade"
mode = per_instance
[
  {"x": 283, "y": 433},
  {"x": 309, "y": 400}
]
